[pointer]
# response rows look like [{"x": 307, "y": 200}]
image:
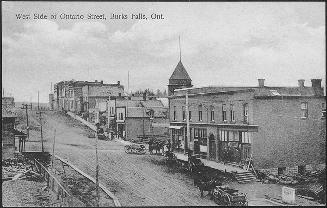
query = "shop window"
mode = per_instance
[
  {"x": 224, "y": 113},
  {"x": 323, "y": 110},
  {"x": 301, "y": 169},
  {"x": 223, "y": 135},
  {"x": 246, "y": 137},
  {"x": 184, "y": 115},
  {"x": 232, "y": 112},
  {"x": 281, "y": 170},
  {"x": 174, "y": 113},
  {"x": 304, "y": 110},
  {"x": 246, "y": 113}
]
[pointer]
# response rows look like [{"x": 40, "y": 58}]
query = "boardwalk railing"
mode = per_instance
[
  {"x": 66, "y": 199},
  {"x": 110, "y": 194}
]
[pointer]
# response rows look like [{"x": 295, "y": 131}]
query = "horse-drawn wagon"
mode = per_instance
[
  {"x": 135, "y": 148},
  {"x": 226, "y": 196}
]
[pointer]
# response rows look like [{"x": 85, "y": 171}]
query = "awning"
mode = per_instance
[{"x": 175, "y": 127}]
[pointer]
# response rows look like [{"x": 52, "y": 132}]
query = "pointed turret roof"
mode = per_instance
[{"x": 180, "y": 72}]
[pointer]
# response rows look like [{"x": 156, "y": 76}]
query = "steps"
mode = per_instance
[{"x": 245, "y": 177}]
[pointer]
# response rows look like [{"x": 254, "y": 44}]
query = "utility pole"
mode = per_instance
[
  {"x": 40, "y": 113},
  {"x": 53, "y": 147},
  {"x": 187, "y": 124},
  {"x": 25, "y": 106},
  {"x": 38, "y": 100},
  {"x": 143, "y": 123},
  {"x": 97, "y": 167}
]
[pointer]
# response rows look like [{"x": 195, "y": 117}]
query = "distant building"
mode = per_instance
[
  {"x": 137, "y": 118},
  {"x": 51, "y": 101},
  {"x": 278, "y": 128},
  {"x": 8, "y": 132},
  {"x": 8, "y": 102},
  {"x": 179, "y": 79},
  {"x": 83, "y": 96}
]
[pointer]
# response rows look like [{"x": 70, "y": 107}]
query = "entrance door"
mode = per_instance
[
  {"x": 212, "y": 147},
  {"x": 246, "y": 151}
]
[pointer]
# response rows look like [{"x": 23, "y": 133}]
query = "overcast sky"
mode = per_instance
[{"x": 222, "y": 44}]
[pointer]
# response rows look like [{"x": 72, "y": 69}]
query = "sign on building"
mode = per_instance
[{"x": 288, "y": 195}]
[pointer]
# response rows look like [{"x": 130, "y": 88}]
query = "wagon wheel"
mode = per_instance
[
  {"x": 127, "y": 149},
  {"x": 227, "y": 200}
]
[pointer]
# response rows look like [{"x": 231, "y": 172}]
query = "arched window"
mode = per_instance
[
  {"x": 200, "y": 112},
  {"x": 212, "y": 113}
]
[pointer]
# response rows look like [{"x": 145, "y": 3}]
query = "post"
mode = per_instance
[
  {"x": 38, "y": 100},
  {"x": 41, "y": 129},
  {"x": 97, "y": 168},
  {"x": 53, "y": 147},
  {"x": 143, "y": 123},
  {"x": 187, "y": 123},
  {"x": 25, "y": 106}
]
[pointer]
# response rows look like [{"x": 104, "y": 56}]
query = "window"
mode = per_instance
[
  {"x": 121, "y": 116},
  {"x": 232, "y": 112},
  {"x": 184, "y": 114},
  {"x": 190, "y": 115},
  {"x": 246, "y": 137},
  {"x": 200, "y": 112},
  {"x": 246, "y": 113},
  {"x": 174, "y": 113},
  {"x": 212, "y": 114},
  {"x": 223, "y": 135},
  {"x": 224, "y": 113},
  {"x": 323, "y": 111},
  {"x": 304, "y": 110}
]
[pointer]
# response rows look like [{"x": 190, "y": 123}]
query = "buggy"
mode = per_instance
[
  {"x": 226, "y": 196},
  {"x": 135, "y": 148}
]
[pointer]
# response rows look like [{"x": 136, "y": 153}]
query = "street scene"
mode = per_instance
[{"x": 129, "y": 104}]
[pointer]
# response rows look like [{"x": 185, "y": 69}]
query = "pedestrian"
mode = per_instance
[{"x": 168, "y": 146}]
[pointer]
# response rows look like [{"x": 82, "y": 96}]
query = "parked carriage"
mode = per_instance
[
  {"x": 226, "y": 196},
  {"x": 135, "y": 149}
]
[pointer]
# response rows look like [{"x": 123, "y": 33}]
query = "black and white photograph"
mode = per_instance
[{"x": 144, "y": 104}]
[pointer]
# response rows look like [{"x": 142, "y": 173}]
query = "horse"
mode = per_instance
[{"x": 209, "y": 186}]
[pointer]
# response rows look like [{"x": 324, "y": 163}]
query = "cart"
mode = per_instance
[
  {"x": 226, "y": 196},
  {"x": 135, "y": 149}
]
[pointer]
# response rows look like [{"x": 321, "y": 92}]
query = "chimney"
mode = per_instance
[
  {"x": 118, "y": 82},
  {"x": 301, "y": 83},
  {"x": 144, "y": 96},
  {"x": 316, "y": 85},
  {"x": 261, "y": 82}
]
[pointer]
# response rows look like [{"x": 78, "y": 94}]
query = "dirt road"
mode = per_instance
[{"x": 137, "y": 180}]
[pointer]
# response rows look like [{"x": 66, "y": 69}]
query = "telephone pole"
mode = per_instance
[
  {"x": 53, "y": 147},
  {"x": 187, "y": 124},
  {"x": 38, "y": 100},
  {"x": 25, "y": 106},
  {"x": 40, "y": 113},
  {"x": 97, "y": 167}
]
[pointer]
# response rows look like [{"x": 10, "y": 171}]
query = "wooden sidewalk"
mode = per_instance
[{"x": 213, "y": 164}]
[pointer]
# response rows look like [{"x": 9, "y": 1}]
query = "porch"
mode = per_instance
[{"x": 213, "y": 164}]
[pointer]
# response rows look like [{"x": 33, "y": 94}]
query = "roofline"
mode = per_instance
[
  {"x": 215, "y": 93},
  {"x": 258, "y": 97}
]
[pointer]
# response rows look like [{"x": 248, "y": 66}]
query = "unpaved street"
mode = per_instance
[{"x": 137, "y": 180}]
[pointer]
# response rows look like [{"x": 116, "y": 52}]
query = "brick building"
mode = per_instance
[
  {"x": 83, "y": 96},
  {"x": 276, "y": 127}
]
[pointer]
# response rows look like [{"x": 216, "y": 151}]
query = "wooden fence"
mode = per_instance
[{"x": 65, "y": 199}]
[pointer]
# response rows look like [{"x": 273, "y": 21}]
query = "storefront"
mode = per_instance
[
  {"x": 177, "y": 133},
  {"x": 234, "y": 145}
]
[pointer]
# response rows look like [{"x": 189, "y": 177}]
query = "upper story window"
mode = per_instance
[
  {"x": 323, "y": 110},
  {"x": 246, "y": 113},
  {"x": 304, "y": 110},
  {"x": 190, "y": 115},
  {"x": 184, "y": 114},
  {"x": 232, "y": 112},
  {"x": 224, "y": 112},
  {"x": 200, "y": 112},
  {"x": 212, "y": 113},
  {"x": 174, "y": 113},
  {"x": 121, "y": 116}
]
